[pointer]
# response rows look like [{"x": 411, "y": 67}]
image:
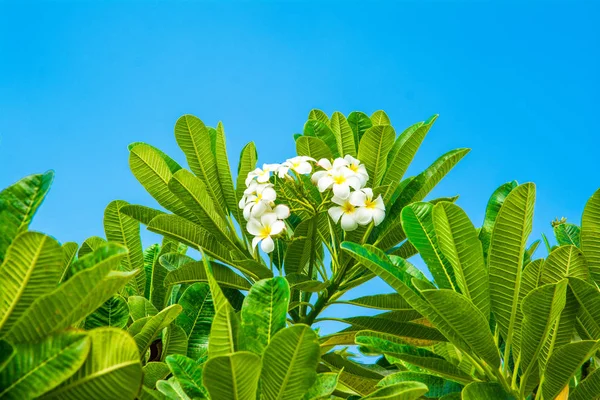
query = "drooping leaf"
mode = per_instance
[
  {"x": 459, "y": 243},
  {"x": 507, "y": 247},
  {"x": 264, "y": 312},
  {"x": 588, "y": 297},
  {"x": 153, "y": 372},
  {"x": 567, "y": 234},
  {"x": 391, "y": 301},
  {"x": 40, "y": 367},
  {"x": 194, "y": 272},
  {"x": 31, "y": 269},
  {"x": 436, "y": 386},
  {"x": 112, "y": 370},
  {"x": 69, "y": 250},
  {"x": 588, "y": 388},
  {"x": 399, "y": 391},
  {"x": 18, "y": 204},
  {"x": 154, "y": 326},
  {"x": 232, "y": 377},
  {"x": 290, "y": 363},
  {"x": 142, "y": 214},
  {"x": 174, "y": 341},
  {"x": 563, "y": 262},
  {"x": 323, "y": 387},
  {"x": 486, "y": 390},
  {"x": 172, "y": 164},
  {"x": 172, "y": 390},
  {"x": 90, "y": 245},
  {"x": 140, "y": 307}
]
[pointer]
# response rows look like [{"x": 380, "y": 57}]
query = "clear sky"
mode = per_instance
[{"x": 518, "y": 83}]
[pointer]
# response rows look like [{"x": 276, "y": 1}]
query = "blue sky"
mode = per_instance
[{"x": 517, "y": 83}]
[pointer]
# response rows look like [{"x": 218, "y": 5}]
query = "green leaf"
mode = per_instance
[
  {"x": 402, "y": 153},
  {"x": 192, "y": 137},
  {"x": 264, "y": 312},
  {"x": 174, "y": 341},
  {"x": 312, "y": 147},
  {"x": 247, "y": 163},
  {"x": 436, "y": 386},
  {"x": 590, "y": 234},
  {"x": 399, "y": 391},
  {"x": 588, "y": 297},
  {"x": 322, "y": 131},
  {"x": 232, "y": 377},
  {"x": 290, "y": 363},
  {"x": 140, "y": 307},
  {"x": 409, "y": 330},
  {"x": 319, "y": 116},
  {"x": 563, "y": 364},
  {"x": 112, "y": 370},
  {"x": 563, "y": 262},
  {"x": 467, "y": 321},
  {"x": 380, "y": 118},
  {"x": 491, "y": 212},
  {"x": 391, "y": 301},
  {"x": 485, "y": 390},
  {"x": 194, "y": 194},
  {"x": 304, "y": 247},
  {"x": 588, "y": 388},
  {"x": 225, "y": 332},
  {"x": 459, "y": 243},
  {"x": 188, "y": 374},
  {"x": 122, "y": 229},
  {"x": 69, "y": 250},
  {"x": 172, "y": 389},
  {"x": 18, "y": 204},
  {"x": 417, "y": 221},
  {"x": 344, "y": 135},
  {"x": 40, "y": 367},
  {"x": 224, "y": 172},
  {"x": 167, "y": 261},
  {"x": 142, "y": 214},
  {"x": 90, "y": 245},
  {"x": 567, "y": 234},
  {"x": 153, "y": 372},
  {"x": 194, "y": 272},
  {"x": 173, "y": 165},
  {"x": 373, "y": 150},
  {"x": 196, "y": 318},
  {"x": 359, "y": 123},
  {"x": 73, "y": 300},
  {"x": 32, "y": 268},
  {"x": 153, "y": 172},
  {"x": 507, "y": 247},
  {"x": 541, "y": 309},
  {"x": 323, "y": 387},
  {"x": 154, "y": 326},
  {"x": 7, "y": 352},
  {"x": 114, "y": 312}
]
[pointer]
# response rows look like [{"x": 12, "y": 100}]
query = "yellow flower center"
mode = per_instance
[
  {"x": 353, "y": 167},
  {"x": 265, "y": 231},
  {"x": 339, "y": 179},
  {"x": 258, "y": 198},
  {"x": 369, "y": 203},
  {"x": 348, "y": 208}
]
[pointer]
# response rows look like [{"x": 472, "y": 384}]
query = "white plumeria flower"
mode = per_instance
[
  {"x": 263, "y": 229},
  {"x": 261, "y": 175},
  {"x": 298, "y": 164},
  {"x": 258, "y": 202},
  {"x": 341, "y": 179},
  {"x": 282, "y": 211},
  {"x": 344, "y": 212},
  {"x": 368, "y": 209},
  {"x": 359, "y": 169}
]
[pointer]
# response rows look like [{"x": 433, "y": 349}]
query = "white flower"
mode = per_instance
[
  {"x": 359, "y": 169},
  {"x": 263, "y": 229},
  {"x": 261, "y": 175},
  {"x": 259, "y": 201},
  {"x": 298, "y": 164},
  {"x": 341, "y": 179},
  {"x": 368, "y": 209},
  {"x": 282, "y": 211},
  {"x": 345, "y": 212}
]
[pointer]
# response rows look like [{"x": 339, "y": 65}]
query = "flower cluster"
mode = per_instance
[
  {"x": 354, "y": 204},
  {"x": 353, "y": 207},
  {"x": 264, "y": 218}
]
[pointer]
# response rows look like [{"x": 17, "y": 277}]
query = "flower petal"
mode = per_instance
[
  {"x": 364, "y": 215},
  {"x": 303, "y": 168},
  {"x": 255, "y": 241},
  {"x": 269, "y": 194},
  {"x": 379, "y": 203},
  {"x": 339, "y": 163},
  {"x": 335, "y": 213},
  {"x": 358, "y": 198},
  {"x": 378, "y": 216},
  {"x": 282, "y": 211},
  {"x": 348, "y": 223},
  {"x": 354, "y": 182},
  {"x": 324, "y": 183},
  {"x": 324, "y": 163},
  {"x": 259, "y": 209},
  {"x": 267, "y": 245},
  {"x": 254, "y": 227},
  {"x": 277, "y": 227},
  {"x": 341, "y": 190},
  {"x": 268, "y": 219}
]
